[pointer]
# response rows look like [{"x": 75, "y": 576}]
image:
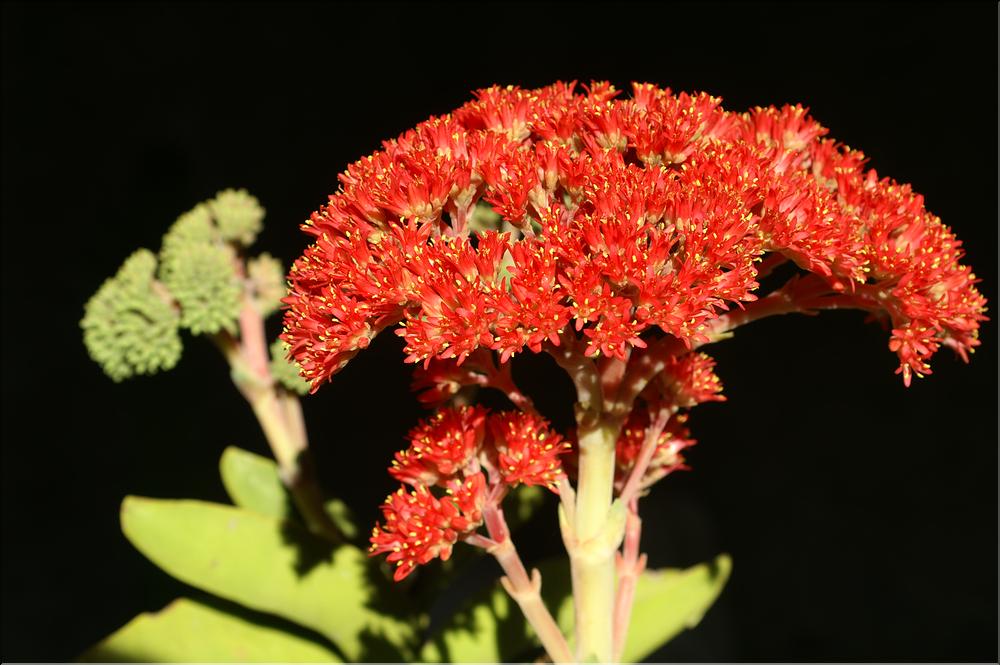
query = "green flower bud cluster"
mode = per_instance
[
  {"x": 200, "y": 269},
  {"x": 285, "y": 371},
  {"x": 238, "y": 216},
  {"x": 130, "y": 325},
  {"x": 268, "y": 279}
]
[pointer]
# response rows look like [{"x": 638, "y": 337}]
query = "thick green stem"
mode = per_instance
[
  {"x": 592, "y": 526},
  {"x": 596, "y": 533}
]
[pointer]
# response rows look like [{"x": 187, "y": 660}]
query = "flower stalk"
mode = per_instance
[
  {"x": 279, "y": 414},
  {"x": 630, "y": 564},
  {"x": 593, "y": 541},
  {"x": 525, "y": 590}
]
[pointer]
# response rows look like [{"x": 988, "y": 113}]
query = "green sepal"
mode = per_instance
[
  {"x": 273, "y": 566},
  {"x": 130, "y": 325},
  {"x": 190, "y": 631},
  {"x": 238, "y": 215}
]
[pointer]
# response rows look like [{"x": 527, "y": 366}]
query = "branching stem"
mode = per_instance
[
  {"x": 504, "y": 382},
  {"x": 524, "y": 589},
  {"x": 592, "y": 538},
  {"x": 630, "y": 566},
  {"x": 634, "y": 483}
]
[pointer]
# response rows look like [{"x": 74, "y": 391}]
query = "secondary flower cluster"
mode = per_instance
[
  {"x": 457, "y": 461},
  {"x": 685, "y": 382},
  {"x": 616, "y": 217},
  {"x": 667, "y": 456}
]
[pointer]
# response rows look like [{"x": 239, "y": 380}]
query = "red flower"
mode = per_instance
[
  {"x": 527, "y": 451},
  {"x": 690, "y": 379},
  {"x": 623, "y": 218},
  {"x": 448, "y": 450},
  {"x": 420, "y": 527},
  {"x": 441, "y": 447}
]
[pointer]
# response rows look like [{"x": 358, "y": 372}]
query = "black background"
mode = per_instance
[{"x": 861, "y": 515}]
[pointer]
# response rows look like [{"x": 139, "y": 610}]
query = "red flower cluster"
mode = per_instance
[
  {"x": 525, "y": 451},
  {"x": 441, "y": 447},
  {"x": 470, "y": 457},
  {"x": 689, "y": 380},
  {"x": 420, "y": 527},
  {"x": 616, "y": 217}
]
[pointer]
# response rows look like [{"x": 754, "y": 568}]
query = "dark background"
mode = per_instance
[{"x": 861, "y": 515}]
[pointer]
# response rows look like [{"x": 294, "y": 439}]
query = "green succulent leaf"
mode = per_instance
[
  {"x": 238, "y": 215},
  {"x": 252, "y": 482},
  {"x": 522, "y": 503},
  {"x": 273, "y": 566},
  {"x": 285, "y": 371},
  {"x": 489, "y": 629},
  {"x": 191, "y": 631},
  {"x": 130, "y": 325}
]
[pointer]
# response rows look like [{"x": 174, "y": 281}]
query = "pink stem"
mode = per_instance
[
  {"x": 279, "y": 415},
  {"x": 803, "y": 295},
  {"x": 252, "y": 339},
  {"x": 524, "y": 589},
  {"x": 504, "y": 382},
  {"x": 612, "y": 371},
  {"x": 630, "y": 566},
  {"x": 634, "y": 482},
  {"x": 630, "y": 562}
]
